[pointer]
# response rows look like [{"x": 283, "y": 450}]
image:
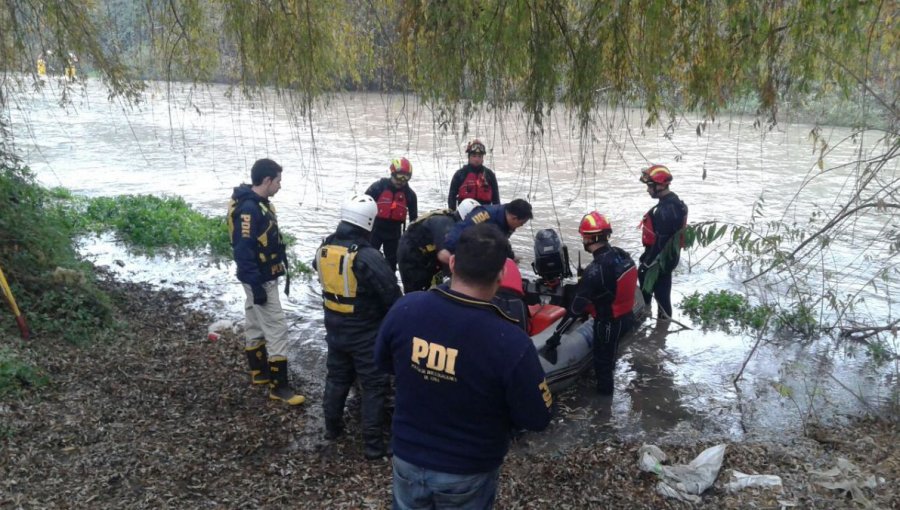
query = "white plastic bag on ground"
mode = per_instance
[
  {"x": 846, "y": 477},
  {"x": 743, "y": 481},
  {"x": 684, "y": 482},
  {"x": 215, "y": 330}
]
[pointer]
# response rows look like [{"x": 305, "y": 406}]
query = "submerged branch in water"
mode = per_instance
[{"x": 860, "y": 334}]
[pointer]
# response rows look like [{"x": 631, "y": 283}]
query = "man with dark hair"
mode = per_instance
[
  {"x": 395, "y": 201},
  {"x": 466, "y": 376},
  {"x": 661, "y": 234},
  {"x": 507, "y": 217},
  {"x": 260, "y": 255},
  {"x": 358, "y": 288},
  {"x": 474, "y": 180}
]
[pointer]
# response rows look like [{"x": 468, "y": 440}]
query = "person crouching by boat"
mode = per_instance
[
  {"x": 507, "y": 217},
  {"x": 260, "y": 256},
  {"x": 607, "y": 285},
  {"x": 395, "y": 200},
  {"x": 465, "y": 376},
  {"x": 358, "y": 288},
  {"x": 419, "y": 246}
]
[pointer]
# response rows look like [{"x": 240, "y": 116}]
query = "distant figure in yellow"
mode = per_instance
[
  {"x": 70, "y": 66},
  {"x": 41, "y": 66}
]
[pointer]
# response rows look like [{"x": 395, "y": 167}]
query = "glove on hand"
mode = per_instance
[{"x": 259, "y": 295}]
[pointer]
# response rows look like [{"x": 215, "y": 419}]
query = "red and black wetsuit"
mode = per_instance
[
  {"x": 394, "y": 205},
  {"x": 608, "y": 284},
  {"x": 479, "y": 183},
  {"x": 659, "y": 226}
]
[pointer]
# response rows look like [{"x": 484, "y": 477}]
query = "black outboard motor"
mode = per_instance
[
  {"x": 551, "y": 264},
  {"x": 551, "y": 256}
]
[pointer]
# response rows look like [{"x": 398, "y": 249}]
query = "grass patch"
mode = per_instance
[{"x": 16, "y": 374}]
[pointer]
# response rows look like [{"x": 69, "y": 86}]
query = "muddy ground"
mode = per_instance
[{"x": 165, "y": 418}]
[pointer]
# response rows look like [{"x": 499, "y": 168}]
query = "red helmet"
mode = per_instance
[
  {"x": 656, "y": 173},
  {"x": 401, "y": 169},
  {"x": 594, "y": 224},
  {"x": 475, "y": 147}
]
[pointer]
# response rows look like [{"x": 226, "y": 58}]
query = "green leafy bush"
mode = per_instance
[
  {"x": 54, "y": 289},
  {"x": 726, "y": 310},
  {"x": 16, "y": 374}
]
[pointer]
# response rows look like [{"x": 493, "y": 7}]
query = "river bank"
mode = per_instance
[{"x": 164, "y": 417}]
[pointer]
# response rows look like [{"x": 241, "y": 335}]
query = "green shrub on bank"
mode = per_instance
[
  {"x": 726, "y": 310},
  {"x": 16, "y": 374},
  {"x": 55, "y": 290}
]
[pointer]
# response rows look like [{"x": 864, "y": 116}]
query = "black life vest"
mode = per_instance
[
  {"x": 422, "y": 238},
  {"x": 271, "y": 251}
]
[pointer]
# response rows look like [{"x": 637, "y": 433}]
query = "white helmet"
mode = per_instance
[
  {"x": 466, "y": 206},
  {"x": 360, "y": 211}
]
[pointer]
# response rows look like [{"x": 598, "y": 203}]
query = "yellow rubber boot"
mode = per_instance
[
  {"x": 256, "y": 358},
  {"x": 278, "y": 387}
]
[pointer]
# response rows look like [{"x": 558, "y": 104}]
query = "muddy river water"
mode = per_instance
[{"x": 671, "y": 382}]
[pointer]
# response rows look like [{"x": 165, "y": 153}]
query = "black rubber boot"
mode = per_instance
[
  {"x": 333, "y": 429},
  {"x": 278, "y": 387},
  {"x": 373, "y": 448},
  {"x": 257, "y": 358}
]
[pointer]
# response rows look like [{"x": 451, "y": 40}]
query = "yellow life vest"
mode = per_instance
[{"x": 335, "y": 266}]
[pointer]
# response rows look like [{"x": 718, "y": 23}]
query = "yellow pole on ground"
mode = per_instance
[{"x": 20, "y": 319}]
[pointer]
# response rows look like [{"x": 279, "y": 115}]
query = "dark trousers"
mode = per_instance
[
  {"x": 417, "y": 270},
  {"x": 662, "y": 291},
  {"x": 607, "y": 333},
  {"x": 390, "y": 248},
  {"x": 350, "y": 357},
  {"x": 415, "y": 278}
]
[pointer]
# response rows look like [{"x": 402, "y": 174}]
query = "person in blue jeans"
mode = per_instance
[{"x": 466, "y": 377}]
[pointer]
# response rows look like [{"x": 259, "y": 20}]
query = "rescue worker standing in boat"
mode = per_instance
[
  {"x": 607, "y": 285},
  {"x": 358, "y": 288},
  {"x": 260, "y": 255},
  {"x": 474, "y": 180},
  {"x": 507, "y": 217},
  {"x": 395, "y": 201},
  {"x": 466, "y": 376},
  {"x": 661, "y": 235},
  {"x": 420, "y": 244}
]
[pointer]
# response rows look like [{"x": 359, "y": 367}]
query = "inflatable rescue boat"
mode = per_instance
[{"x": 540, "y": 304}]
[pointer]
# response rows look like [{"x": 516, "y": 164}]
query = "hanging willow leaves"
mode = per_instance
[{"x": 498, "y": 53}]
